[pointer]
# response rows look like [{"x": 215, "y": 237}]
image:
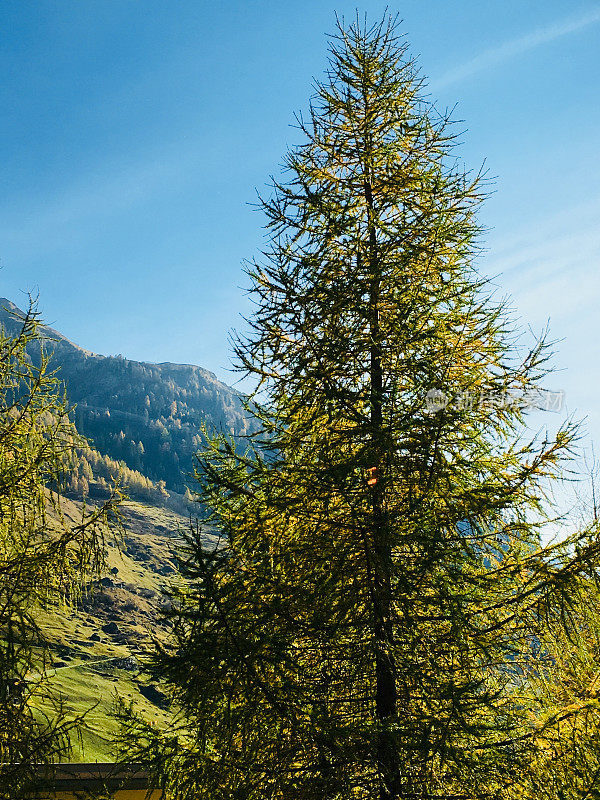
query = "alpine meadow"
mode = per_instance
[{"x": 381, "y": 617}]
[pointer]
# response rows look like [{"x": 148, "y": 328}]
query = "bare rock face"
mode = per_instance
[{"x": 130, "y": 664}]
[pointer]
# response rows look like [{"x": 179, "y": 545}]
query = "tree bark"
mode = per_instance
[{"x": 386, "y": 699}]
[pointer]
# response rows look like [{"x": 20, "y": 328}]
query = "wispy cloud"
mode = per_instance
[
  {"x": 550, "y": 270},
  {"x": 516, "y": 47},
  {"x": 557, "y": 258}
]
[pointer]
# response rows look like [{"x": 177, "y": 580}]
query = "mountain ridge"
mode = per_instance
[
  {"x": 49, "y": 333},
  {"x": 153, "y": 416}
]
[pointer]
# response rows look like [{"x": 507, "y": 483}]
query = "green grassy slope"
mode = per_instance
[{"x": 99, "y": 646}]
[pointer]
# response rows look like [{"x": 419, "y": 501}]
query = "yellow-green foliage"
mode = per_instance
[
  {"x": 91, "y": 466},
  {"x": 44, "y": 558},
  {"x": 375, "y": 618}
]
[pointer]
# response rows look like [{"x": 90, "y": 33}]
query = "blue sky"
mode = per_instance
[{"x": 134, "y": 133}]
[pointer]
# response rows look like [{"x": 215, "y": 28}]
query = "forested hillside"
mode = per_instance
[{"x": 150, "y": 416}]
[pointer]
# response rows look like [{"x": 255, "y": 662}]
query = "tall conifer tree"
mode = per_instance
[{"x": 367, "y": 624}]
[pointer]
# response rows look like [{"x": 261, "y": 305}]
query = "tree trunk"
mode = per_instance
[{"x": 386, "y": 700}]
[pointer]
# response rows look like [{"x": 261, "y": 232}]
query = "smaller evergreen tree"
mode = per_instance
[{"x": 44, "y": 557}]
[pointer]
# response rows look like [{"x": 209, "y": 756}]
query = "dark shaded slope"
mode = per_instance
[{"x": 148, "y": 415}]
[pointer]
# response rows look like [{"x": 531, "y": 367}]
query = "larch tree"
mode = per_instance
[
  {"x": 369, "y": 621},
  {"x": 45, "y": 557}
]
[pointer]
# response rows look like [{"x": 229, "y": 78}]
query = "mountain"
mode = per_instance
[{"x": 150, "y": 416}]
